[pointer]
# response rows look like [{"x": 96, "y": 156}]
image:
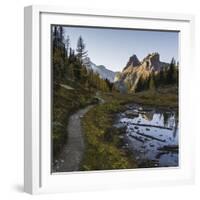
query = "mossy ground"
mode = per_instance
[{"x": 103, "y": 144}]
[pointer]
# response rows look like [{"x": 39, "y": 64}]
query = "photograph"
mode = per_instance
[{"x": 114, "y": 98}]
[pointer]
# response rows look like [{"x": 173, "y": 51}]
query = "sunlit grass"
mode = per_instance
[{"x": 103, "y": 150}]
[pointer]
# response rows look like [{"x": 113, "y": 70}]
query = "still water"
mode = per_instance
[{"x": 151, "y": 135}]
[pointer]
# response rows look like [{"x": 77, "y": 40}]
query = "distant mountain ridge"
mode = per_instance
[
  {"x": 103, "y": 71},
  {"x": 135, "y": 70}
]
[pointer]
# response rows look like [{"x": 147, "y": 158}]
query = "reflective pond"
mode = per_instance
[{"x": 150, "y": 135}]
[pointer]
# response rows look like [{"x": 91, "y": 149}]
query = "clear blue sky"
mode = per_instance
[{"x": 113, "y": 47}]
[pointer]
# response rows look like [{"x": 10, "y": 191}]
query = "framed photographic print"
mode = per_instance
[{"x": 106, "y": 104}]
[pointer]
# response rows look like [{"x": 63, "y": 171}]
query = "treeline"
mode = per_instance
[
  {"x": 166, "y": 76},
  {"x": 72, "y": 66}
]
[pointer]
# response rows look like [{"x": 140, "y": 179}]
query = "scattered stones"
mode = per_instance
[
  {"x": 122, "y": 114},
  {"x": 129, "y": 106},
  {"x": 140, "y": 108}
]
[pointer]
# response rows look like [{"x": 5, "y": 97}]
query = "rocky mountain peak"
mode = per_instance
[
  {"x": 133, "y": 62},
  {"x": 136, "y": 70},
  {"x": 153, "y": 60}
]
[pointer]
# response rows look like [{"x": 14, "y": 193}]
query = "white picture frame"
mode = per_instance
[{"x": 37, "y": 140}]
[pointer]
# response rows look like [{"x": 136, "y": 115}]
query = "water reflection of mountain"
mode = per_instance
[
  {"x": 166, "y": 117},
  {"x": 148, "y": 116},
  {"x": 148, "y": 132}
]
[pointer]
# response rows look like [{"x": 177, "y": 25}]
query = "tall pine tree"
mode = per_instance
[
  {"x": 171, "y": 72},
  {"x": 81, "y": 52}
]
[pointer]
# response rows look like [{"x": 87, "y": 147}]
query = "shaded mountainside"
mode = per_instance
[
  {"x": 103, "y": 72},
  {"x": 133, "y": 62},
  {"x": 127, "y": 80}
]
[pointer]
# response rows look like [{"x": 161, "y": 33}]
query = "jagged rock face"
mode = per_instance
[
  {"x": 134, "y": 70},
  {"x": 133, "y": 62},
  {"x": 153, "y": 61}
]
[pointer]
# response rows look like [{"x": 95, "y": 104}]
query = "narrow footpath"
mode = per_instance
[{"x": 73, "y": 151}]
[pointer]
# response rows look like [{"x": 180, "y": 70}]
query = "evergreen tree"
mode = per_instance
[
  {"x": 77, "y": 70},
  {"x": 143, "y": 84},
  {"x": 171, "y": 72},
  {"x": 70, "y": 71},
  {"x": 54, "y": 31},
  {"x": 177, "y": 76},
  {"x": 67, "y": 45},
  {"x": 84, "y": 76},
  {"x": 109, "y": 84},
  {"x": 152, "y": 83},
  {"x": 72, "y": 57},
  {"x": 61, "y": 36},
  {"x": 140, "y": 86},
  {"x": 58, "y": 65},
  {"x": 161, "y": 77},
  {"x": 81, "y": 52}
]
